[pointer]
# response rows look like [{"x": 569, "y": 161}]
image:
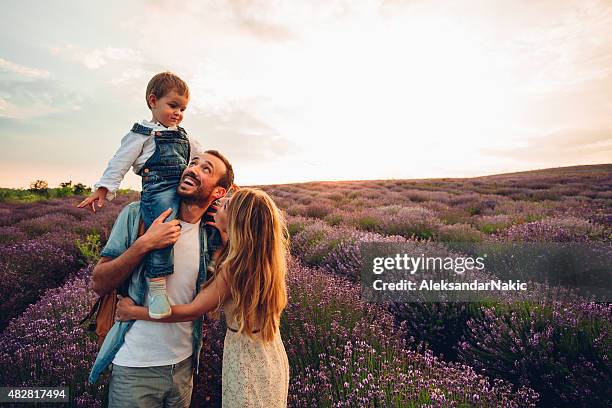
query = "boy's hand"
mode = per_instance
[
  {"x": 99, "y": 195},
  {"x": 161, "y": 234}
]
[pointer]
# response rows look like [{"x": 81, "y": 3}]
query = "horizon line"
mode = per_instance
[{"x": 414, "y": 179}]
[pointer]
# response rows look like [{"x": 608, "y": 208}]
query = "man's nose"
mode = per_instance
[{"x": 197, "y": 171}]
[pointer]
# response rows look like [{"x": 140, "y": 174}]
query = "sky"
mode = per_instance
[{"x": 300, "y": 90}]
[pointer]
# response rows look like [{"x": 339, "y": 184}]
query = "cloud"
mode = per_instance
[
  {"x": 25, "y": 92},
  {"x": 567, "y": 146},
  {"x": 264, "y": 20},
  {"x": 268, "y": 32},
  {"x": 566, "y": 51},
  {"x": 242, "y": 136},
  {"x": 29, "y": 99},
  {"x": 256, "y": 18},
  {"x": 97, "y": 57},
  {"x": 11, "y": 67},
  {"x": 130, "y": 75}
]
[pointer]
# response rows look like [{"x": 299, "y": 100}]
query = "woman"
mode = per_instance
[{"x": 249, "y": 284}]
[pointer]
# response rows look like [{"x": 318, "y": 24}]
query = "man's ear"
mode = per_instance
[{"x": 219, "y": 192}]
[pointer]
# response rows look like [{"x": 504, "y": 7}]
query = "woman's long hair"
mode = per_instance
[{"x": 256, "y": 261}]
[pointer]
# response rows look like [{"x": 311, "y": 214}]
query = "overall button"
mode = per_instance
[{"x": 146, "y": 170}]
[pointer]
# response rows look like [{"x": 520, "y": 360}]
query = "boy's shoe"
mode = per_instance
[{"x": 159, "y": 305}]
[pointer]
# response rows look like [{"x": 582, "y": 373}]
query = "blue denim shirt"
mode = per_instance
[{"x": 123, "y": 235}]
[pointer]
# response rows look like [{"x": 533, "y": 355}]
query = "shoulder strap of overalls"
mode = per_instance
[
  {"x": 184, "y": 133},
  {"x": 143, "y": 130}
]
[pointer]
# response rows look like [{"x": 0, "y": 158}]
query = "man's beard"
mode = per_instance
[{"x": 198, "y": 196}]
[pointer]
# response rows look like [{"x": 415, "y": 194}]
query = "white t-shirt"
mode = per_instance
[{"x": 149, "y": 344}]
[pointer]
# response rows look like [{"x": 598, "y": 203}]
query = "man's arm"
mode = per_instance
[{"x": 109, "y": 273}]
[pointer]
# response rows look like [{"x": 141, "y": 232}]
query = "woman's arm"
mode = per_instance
[{"x": 207, "y": 300}]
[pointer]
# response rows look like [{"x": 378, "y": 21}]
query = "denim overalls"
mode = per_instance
[{"x": 161, "y": 175}]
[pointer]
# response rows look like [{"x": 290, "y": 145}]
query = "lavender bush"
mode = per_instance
[
  {"x": 11, "y": 235},
  {"x": 53, "y": 222},
  {"x": 28, "y": 268},
  {"x": 458, "y": 233},
  {"x": 207, "y": 385},
  {"x": 492, "y": 223},
  {"x": 558, "y": 229},
  {"x": 46, "y": 346},
  {"x": 337, "y": 249},
  {"x": 344, "y": 353},
  {"x": 441, "y": 326},
  {"x": 561, "y": 350},
  {"x": 414, "y": 221}
]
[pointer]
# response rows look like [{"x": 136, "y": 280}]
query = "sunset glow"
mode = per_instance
[{"x": 296, "y": 92}]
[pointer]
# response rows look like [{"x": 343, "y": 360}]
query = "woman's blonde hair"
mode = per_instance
[{"x": 256, "y": 261}]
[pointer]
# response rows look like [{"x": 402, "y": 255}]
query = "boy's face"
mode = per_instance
[{"x": 168, "y": 110}]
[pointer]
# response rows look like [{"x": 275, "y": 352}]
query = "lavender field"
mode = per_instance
[{"x": 343, "y": 351}]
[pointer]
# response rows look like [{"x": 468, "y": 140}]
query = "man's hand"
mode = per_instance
[
  {"x": 161, "y": 234},
  {"x": 98, "y": 196},
  {"x": 124, "y": 309}
]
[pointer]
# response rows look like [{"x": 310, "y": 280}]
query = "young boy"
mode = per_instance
[{"x": 158, "y": 150}]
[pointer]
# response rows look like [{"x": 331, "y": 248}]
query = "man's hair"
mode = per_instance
[
  {"x": 227, "y": 180},
  {"x": 164, "y": 83}
]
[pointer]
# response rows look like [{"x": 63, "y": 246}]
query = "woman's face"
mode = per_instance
[{"x": 221, "y": 214}]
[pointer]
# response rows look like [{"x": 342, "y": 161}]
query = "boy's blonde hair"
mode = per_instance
[
  {"x": 256, "y": 261},
  {"x": 163, "y": 83}
]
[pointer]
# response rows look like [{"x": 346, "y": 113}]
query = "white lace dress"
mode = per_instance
[{"x": 254, "y": 374}]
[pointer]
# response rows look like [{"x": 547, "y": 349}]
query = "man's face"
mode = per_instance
[{"x": 200, "y": 178}]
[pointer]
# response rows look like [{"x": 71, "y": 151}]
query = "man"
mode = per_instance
[{"x": 153, "y": 363}]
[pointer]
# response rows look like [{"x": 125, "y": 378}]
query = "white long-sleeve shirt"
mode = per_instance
[{"x": 134, "y": 152}]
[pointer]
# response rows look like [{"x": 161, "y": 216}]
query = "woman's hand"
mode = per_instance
[
  {"x": 220, "y": 218},
  {"x": 161, "y": 234},
  {"x": 125, "y": 308}
]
